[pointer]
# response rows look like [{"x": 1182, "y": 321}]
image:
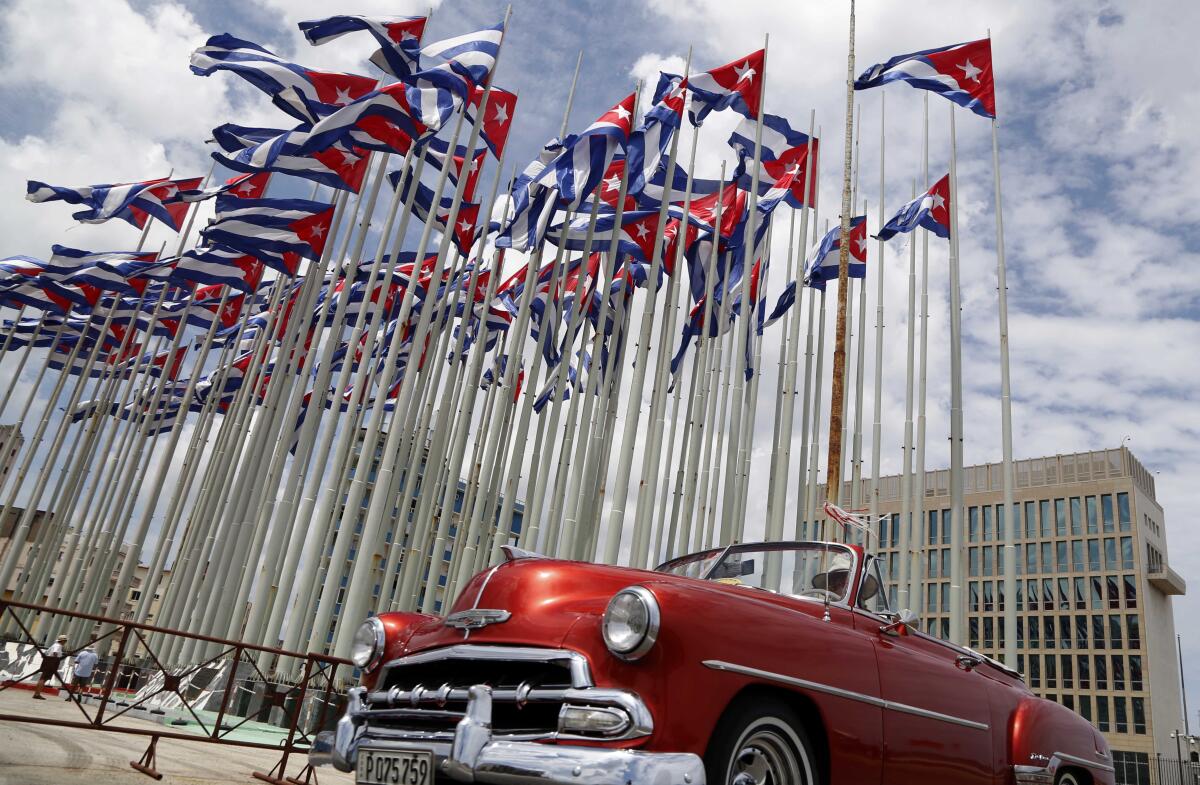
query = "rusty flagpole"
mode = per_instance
[{"x": 833, "y": 472}]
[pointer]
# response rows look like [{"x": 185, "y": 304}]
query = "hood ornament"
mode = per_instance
[{"x": 476, "y": 618}]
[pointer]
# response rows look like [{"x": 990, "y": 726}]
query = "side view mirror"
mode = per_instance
[{"x": 899, "y": 623}]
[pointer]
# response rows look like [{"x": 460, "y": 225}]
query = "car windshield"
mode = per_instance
[{"x": 814, "y": 570}]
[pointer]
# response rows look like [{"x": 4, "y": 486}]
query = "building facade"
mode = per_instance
[{"x": 1095, "y": 628}]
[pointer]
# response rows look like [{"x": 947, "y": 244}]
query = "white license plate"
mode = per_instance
[{"x": 394, "y": 767}]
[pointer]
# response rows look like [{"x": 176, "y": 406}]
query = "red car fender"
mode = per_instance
[
  {"x": 711, "y": 622},
  {"x": 1043, "y": 733},
  {"x": 398, "y": 627}
]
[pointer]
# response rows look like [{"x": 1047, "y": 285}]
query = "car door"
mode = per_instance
[{"x": 936, "y": 716}]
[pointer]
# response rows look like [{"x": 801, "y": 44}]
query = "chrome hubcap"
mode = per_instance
[{"x": 767, "y": 758}]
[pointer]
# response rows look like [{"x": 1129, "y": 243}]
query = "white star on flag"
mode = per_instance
[
  {"x": 744, "y": 71},
  {"x": 245, "y": 187},
  {"x": 501, "y": 115},
  {"x": 862, "y": 245},
  {"x": 641, "y": 231},
  {"x": 318, "y": 232},
  {"x": 970, "y": 71},
  {"x": 465, "y": 225},
  {"x": 348, "y": 157},
  {"x": 621, "y": 112},
  {"x": 938, "y": 201},
  {"x": 343, "y": 97},
  {"x": 612, "y": 183}
]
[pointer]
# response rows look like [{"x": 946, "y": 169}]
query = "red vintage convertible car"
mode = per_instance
[{"x": 774, "y": 663}]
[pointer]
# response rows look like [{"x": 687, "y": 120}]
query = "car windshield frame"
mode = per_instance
[{"x": 715, "y": 557}]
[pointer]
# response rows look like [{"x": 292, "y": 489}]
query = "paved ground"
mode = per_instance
[{"x": 47, "y": 755}]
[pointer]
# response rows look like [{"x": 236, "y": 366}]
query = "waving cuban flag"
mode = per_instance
[
  {"x": 399, "y": 38},
  {"x": 577, "y": 170},
  {"x": 132, "y": 202},
  {"x": 822, "y": 264},
  {"x": 960, "y": 72},
  {"x": 784, "y": 153},
  {"x": 276, "y": 231},
  {"x": 736, "y": 85},
  {"x": 257, "y": 150},
  {"x": 930, "y": 210},
  {"x": 302, "y": 92}
]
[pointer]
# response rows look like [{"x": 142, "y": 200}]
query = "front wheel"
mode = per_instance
[
  {"x": 760, "y": 741},
  {"x": 1067, "y": 778}
]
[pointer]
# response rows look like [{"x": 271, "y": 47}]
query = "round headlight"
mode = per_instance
[
  {"x": 368, "y": 643},
  {"x": 631, "y": 623}
]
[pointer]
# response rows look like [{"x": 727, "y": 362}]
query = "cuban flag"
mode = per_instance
[
  {"x": 257, "y": 150},
  {"x": 736, "y": 85},
  {"x": 117, "y": 271},
  {"x": 577, "y": 170},
  {"x": 132, "y": 202},
  {"x": 472, "y": 54},
  {"x": 930, "y": 210},
  {"x": 399, "y": 38},
  {"x": 635, "y": 235},
  {"x": 243, "y": 186},
  {"x": 783, "y": 154},
  {"x": 437, "y": 152},
  {"x": 464, "y": 230},
  {"x": 17, "y": 270},
  {"x": 217, "y": 266},
  {"x": 822, "y": 263},
  {"x": 655, "y": 189},
  {"x": 648, "y": 144},
  {"x": 532, "y": 205},
  {"x": 960, "y": 72},
  {"x": 384, "y": 114},
  {"x": 276, "y": 231},
  {"x": 497, "y": 120},
  {"x": 303, "y": 93}
]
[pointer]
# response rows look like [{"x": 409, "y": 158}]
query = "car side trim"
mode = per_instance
[
  {"x": 871, "y": 700},
  {"x": 1082, "y": 762}
]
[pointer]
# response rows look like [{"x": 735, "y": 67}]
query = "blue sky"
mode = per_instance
[{"x": 1099, "y": 166}]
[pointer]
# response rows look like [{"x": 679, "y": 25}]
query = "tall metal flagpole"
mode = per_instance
[
  {"x": 907, "y": 524},
  {"x": 1010, "y": 518},
  {"x": 877, "y": 422},
  {"x": 833, "y": 471},
  {"x": 918, "y": 489},
  {"x": 957, "y": 616},
  {"x": 736, "y": 456},
  {"x": 852, "y": 427}
]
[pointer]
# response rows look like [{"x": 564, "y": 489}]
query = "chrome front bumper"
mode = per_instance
[{"x": 475, "y": 756}]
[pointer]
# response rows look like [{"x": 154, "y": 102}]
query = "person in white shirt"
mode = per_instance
[
  {"x": 81, "y": 673},
  {"x": 51, "y": 659}
]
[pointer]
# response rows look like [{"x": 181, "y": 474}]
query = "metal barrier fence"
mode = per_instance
[
  {"x": 232, "y": 696},
  {"x": 1172, "y": 771}
]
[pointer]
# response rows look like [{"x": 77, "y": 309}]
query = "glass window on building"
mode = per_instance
[
  {"x": 1114, "y": 595},
  {"x": 1110, "y": 553},
  {"x": 1097, "y": 632},
  {"x": 932, "y": 568},
  {"x": 1123, "y": 512},
  {"x": 945, "y": 598},
  {"x": 1139, "y": 717},
  {"x": 1064, "y": 594},
  {"x": 945, "y": 527},
  {"x": 973, "y": 524},
  {"x": 1035, "y": 671},
  {"x": 989, "y": 632},
  {"x": 1133, "y": 628},
  {"x": 1118, "y": 672},
  {"x": 1044, "y": 509},
  {"x": 1121, "y": 719},
  {"x": 1106, "y": 512},
  {"x": 1076, "y": 515},
  {"x": 1093, "y": 523},
  {"x": 1100, "y": 667},
  {"x": 1034, "y": 634},
  {"x": 1114, "y": 632},
  {"x": 1130, "y": 592},
  {"x": 1060, "y": 517},
  {"x": 1081, "y": 635},
  {"x": 1135, "y": 672},
  {"x": 989, "y": 599},
  {"x": 1020, "y": 595},
  {"x": 1077, "y": 555},
  {"x": 1097, "y": 594},
  {"x": 1047, "y": 594},
  {"x": 933, "y": 526},
  {"x": 1093, "y": 555},
  {"x": 1083, "y": 664},
  {"x": 1032, "y": 591},
  {"x": 1060, "y": 548},
  {"x": 1068, "y": 672},
  {"x": 1126, "y": 553},
  {"x": 1080, "y": 595},
  {"x": 1031, "y": 558},
  {"x": 1020, "y": 635},
  {"x": 1048, "y": 636},
  {"x": 988, "y": 560},
  {"x": 1064, "y": 631},
  {"x": 1102, "y": 714},
  {"x": 1030, "y": 520},
  {"x": 972, "y": 593},
  {"x": 1085, "y": 707},
  {"x": 1047, "y": 557},
  {"x": 1051, "y": 673},
  {"x": 988, "y": 532},
  {"x": 945, "y": 562},
  {"x": 973, "y": 632},
  {"x": 973, "y": 561}
]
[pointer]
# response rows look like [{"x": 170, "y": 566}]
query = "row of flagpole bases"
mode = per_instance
[{"x": 240, "y": 543}]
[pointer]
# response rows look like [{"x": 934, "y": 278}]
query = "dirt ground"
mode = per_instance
[{"x": 47, "y": 755}]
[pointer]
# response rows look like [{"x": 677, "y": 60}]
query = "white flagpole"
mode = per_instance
[
  {"x": 919, "y": 472},
  {"x": 1009, "y": 481},
  {"x": 957, "y": 615},
  {"x": 737, "y": 453},
  {"x": 907, "y": 524},
  {"x": 810, "y": 515},
  {"x": 877, "y": 423},
  {"x": 711, "y": 482}
]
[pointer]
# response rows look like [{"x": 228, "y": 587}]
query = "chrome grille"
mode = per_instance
[{"x": 425, "y": 695}]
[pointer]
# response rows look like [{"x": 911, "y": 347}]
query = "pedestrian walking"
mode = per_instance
[
  {"x": 81, "y": 672},
  {"x": 51, "y": 659}
]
